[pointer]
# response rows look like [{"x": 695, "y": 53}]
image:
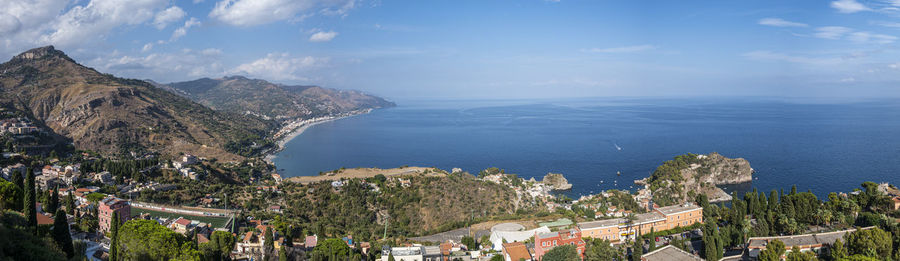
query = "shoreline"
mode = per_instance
[{"x": 295, "y": 128}]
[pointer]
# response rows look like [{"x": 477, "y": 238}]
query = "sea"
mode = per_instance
[{"x": 822, "y": 145}]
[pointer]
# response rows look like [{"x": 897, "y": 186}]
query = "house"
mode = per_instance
[
  {"x": 104, "y": 177},
  {"x": 806, "y": 242},
  {"x": 275, "y": 208},
  {"x": 432, "y": 253},
  {"x": 516, "y": 251},
  {"x": 414, "y": 253},
  {"x": 111, "y": 205},
  {"x": 896, "y": 202},
  {"x": 668, "y": 253},
  {"x": 545, "y": 241},
  {"x": 498, "y": 236},
  {"x": 181, "y": 225},
  {"x": 310, "y": 242}
]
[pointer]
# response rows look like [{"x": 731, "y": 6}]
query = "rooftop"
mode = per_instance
[
  {"x": 669, "y": 253},
  {"x": 601, "y": 223},
  {"x": 805, "y": 240},
  {"x": 678, "y": 209},
  {"x": 517, "y": 251}
]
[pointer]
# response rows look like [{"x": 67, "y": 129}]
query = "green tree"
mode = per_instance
[
  {"x": 773, "y": 252},
  {"x": 18, "y": 179},
  {"x": 53, "y": 203},
  {"x": 637, "y": 250},
  {"x": 391, "y": 257},
  {"x": 332, "y": 249},
  {"x": 29, "y": 202},
  {"x": 70, "y": 204},
  {"x": 837, "y": 250},
  {"x": 269, "y": 245},
  {"x": 469, "y": 242},
  {"x": 797, "y": 255},
  {"x": 10, "y": 196},
  {"x": 652, "y": 237},
  {"x": 870, "y": 242},
  {"x": 219, "y": 246},
  {"x": 61, "y": 234},
  {"x": 600, "y": 250},
  {"x": 561, "y": 253},
  {"x": 114, "y": 237},
  {"x": 148, "y": 240}
]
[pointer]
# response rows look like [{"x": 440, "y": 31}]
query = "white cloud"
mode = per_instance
[
  {"x": 623, "y": 49},
  {"x": 256, "y": 12},
  {"x": 170, "y": 15},
  {"x": 832, "y": 32},
  {"x": 180, "y": 65},
  {"x": 849, "y": 6},
  {"x": 778, "y": 22},
  {"x": 866, "y": 37},
  {"x": 280, "y": 67},
  {"x": 322, "y": 36},
  {"x": 181, "y": 31},
  {"x": 781, "y": 57},
  {"x": 147, "y": 47}
]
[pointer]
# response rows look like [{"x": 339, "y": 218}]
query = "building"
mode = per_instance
[
  {"x": 499, "y": 236},
  {"x": 414, "y": 253},
  {"x": 659, "y": 219},
  {"x": 669, "y": 253},
  {"x": 546, "y": 241},
  {"x": 896, "y": 202},
  {"x": 806, "y": 242},
  {"x": 111, "y": 205},
  {"x": 181, "y": 225},
  {"x": 516, "y": 251}
]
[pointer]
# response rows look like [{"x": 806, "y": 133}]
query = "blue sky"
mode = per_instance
[{"x": 483, "y": 49}]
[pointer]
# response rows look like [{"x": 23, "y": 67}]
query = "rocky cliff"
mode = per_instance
[
  {"x": 556, "y": 181},
  {"x": 681, "y": 179}
]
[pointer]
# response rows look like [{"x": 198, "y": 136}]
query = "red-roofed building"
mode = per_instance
[
  {"x": 44, "y": 220},
  {"x": 181, "y": 225},
  {"x": 546, "y": 241}
]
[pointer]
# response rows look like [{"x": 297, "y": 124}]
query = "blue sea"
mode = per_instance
[{"x": 818, "y": 145}]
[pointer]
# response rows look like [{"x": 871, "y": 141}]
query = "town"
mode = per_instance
[{"x": 611, "y": 225}]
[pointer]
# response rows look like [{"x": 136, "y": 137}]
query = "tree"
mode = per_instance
[
  {"x": 114, "y": 238},
  {"x": 10, "y": 196},
  {"x": 18, "y": 180},
  {"x": 637, "y": 250},
  {"x": 561, "y": 253},
  {"x": 600, "y": 250},
  {"x": 391, "y": 257},
  {"x": 61, "y": 234},
  {"x": 219, "y": 246},
  {"x": 269, "y": 245},
  {"x": 652, "y": 246},
  {"x": 870, "y": 242},
  {"x": 773, "y": 252},
  {"x": 30, "y": 209},
  {"x": 469, "y": 242},
  {"x": 797, "y": 255},
  {"x": 332, "y": 249},
  {"x": 148, "y": 240},
  {"x": 70, "y": 204},
  {"x": 837, "y": 250},
  {"x": 53, "y": 203}
]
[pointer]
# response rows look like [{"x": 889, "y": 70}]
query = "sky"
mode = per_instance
[{"x": 483, "y": 49}]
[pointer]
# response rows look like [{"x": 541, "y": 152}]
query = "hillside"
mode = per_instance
[
  {"x": 682, "y": 178},
  {"x": 238, "y": 94},
  {"x": 113, "y": 116}
]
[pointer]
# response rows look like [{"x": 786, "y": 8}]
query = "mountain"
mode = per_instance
[
  {"x": 275, "y": 101},
  {"x": 114, "y": 116}
]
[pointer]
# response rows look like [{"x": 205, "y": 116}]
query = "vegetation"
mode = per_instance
[
  {"x": 17, "y": 241},
  {"x": 601, "y": 250},
  {"x": 148, "y": 240},
  {"x": 219, "y": 246},
  {"x": 561, "y": 253}
]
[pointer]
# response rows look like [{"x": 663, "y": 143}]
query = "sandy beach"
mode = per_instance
[{"x": 295, "y": 128}]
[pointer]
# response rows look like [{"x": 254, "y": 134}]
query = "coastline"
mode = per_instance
[{"x": 297, "y": 127}]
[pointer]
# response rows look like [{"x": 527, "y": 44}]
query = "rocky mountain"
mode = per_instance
[
  {"x": 112, "y": 115},
  {"x": 682, "y": 178},
  {"x": 273, "y": 101},
  {"x": 556, "y": 181}
]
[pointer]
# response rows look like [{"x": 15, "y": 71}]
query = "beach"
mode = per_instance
[{"x": 297, "y": 127}]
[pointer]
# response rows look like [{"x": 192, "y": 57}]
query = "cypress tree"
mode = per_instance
[
  {"x": 53, "y": 205},
  {"x": 637, "y": 250},
  {"x": 18, "y": 179},
  {"x": 29, "y": 204},
  {"x": 114, "y": 238},
  {"x": 61, "y": 234},
  {"x": 652, "y": 246},
  {"x": 269, "y": 246},
  {"x": 70, "y": 204}
]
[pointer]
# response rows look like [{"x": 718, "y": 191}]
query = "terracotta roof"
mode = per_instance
[
  {"x": 248, "y": 236},
  {"x": 183, "y": 222},
  {"x": 517, "y": 251},
  {"x": 44, "y": 219},
  {"x": 202, "y": 238}
]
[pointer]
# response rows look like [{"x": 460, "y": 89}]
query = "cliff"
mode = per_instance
[
  {"x": 556, "y": 181},
  {"x": 686, "y": 176}
]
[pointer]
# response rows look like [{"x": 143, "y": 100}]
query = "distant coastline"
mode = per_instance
[{"x": 297, "y": 127}]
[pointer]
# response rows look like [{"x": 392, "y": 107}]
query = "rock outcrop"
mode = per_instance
[
  {"x": 556, "y": 181},
  {"x": 681, "y": 179}
]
